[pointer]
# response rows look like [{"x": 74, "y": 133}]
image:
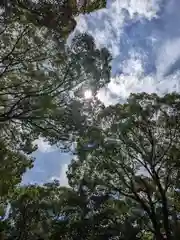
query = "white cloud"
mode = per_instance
[
  {"x": 144, "y": 39},
  {"x": 167, "y": 55},
  {"x": 107, "y": 27},
  {"x": 102, "y": 24},
  {"x": 121, "y": 87},
  {"x": 63, "y": 177},
  {"x": 132, "y": 66},
  {"x": 134, "y": 80},
  {"x": 146, "y": 8},
  {"x": 115, "y": 14},
  {"x": 44, "y": 146}
]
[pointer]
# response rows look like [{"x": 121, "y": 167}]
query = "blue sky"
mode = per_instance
[{"x": 144, "y": 39}]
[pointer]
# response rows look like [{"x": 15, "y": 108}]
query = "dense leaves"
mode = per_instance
[
  {"x": 41, "y": 87},
  {"x": 124, "y": 186},
  {"x": 57, "y": 16},
  {"x": 124, "y": 178},
  {"x": 54, "y": 212},
  {"x": 137, "y": 159},
  {"x": 39, "y": 74},
  {"x": 38, "y": 81}
]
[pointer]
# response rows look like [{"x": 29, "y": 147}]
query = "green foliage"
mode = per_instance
[
  {"x": 38, "y": 81},
  {"x": 90, "y": 6},
  {"x": 57, "y": 16},
  {"x": 138, "y": 159},
  {"x": 13, "y": 166},
  {"x": 123, "y": 187},
  {"x": 41, "y": 93},
  {"x": 124, "y": 179},
  {"x": 54, "y": 212}
]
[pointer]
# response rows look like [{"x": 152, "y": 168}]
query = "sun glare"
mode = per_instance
[{"x": 88, "y": 94}]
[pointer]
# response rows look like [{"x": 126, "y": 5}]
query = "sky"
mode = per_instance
[{"x": 143, "y": 37}]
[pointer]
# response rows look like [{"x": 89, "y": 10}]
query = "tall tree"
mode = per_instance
[
  {"x": 54, "y": 212},
  {"x": 58, "y": 16},
  {"x": 38, "y": 78},
  {"x": 13, "y": 165},
  {"x": 137, "y": 158}
]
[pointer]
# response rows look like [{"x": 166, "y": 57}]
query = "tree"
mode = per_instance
[
  {"x": 38, "y": 78},
  {"x": 33, "y": 210},
  {"x": 47, "y": 212},
  {"x": 41, "y": 83},
  {"x": 13, "y": 166},
  {"x": 137, "y": 159},
  {"x": 54, "y": 212},
  {"x": 90, "y": 6},
  {"x": 57, "y": 16}
]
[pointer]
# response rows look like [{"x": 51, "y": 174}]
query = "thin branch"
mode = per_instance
[
  {"x": 17, "y": 41},
  {"x": 3, "y": 30}
]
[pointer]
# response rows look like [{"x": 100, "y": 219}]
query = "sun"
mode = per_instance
[{"x": 88, "y": 94}]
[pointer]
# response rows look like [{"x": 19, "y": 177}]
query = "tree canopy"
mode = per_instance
[
  {"x": 39, "y": 79},
  {"x": 136, "y": 159},
  {"x": 124, "y": 186},
  {"x": 57, "y": 16},
  {"x": 124, "y": 177}
]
